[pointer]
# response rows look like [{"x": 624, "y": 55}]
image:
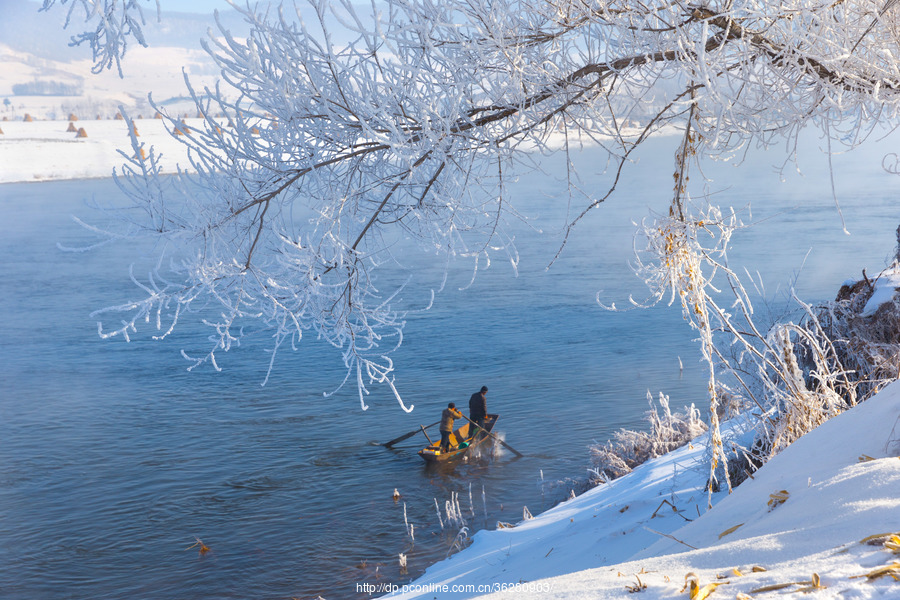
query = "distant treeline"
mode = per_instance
[{"x": 47, "y": 88}]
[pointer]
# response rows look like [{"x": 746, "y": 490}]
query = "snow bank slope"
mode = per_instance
[
  {"x": 600, "y": 527},
  {"x": 836, "y": 497}
]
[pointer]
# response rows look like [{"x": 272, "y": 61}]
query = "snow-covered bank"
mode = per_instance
[
  {"x": 834, "y": 487},
  {"x": 45, "y": 150}
]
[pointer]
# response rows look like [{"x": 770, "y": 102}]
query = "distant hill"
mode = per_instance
[
  {"x": 46, "y": 78},
  {"x": 25, "y": 28}
]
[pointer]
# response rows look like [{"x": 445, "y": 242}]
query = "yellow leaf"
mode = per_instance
[
  {"x": 810, "y": 586},
  {"x": 730, "y": 530},
  {"x": 698, "y": 593},
  {"x": 203, "y": 547},
  {"x": 737, "y": 572},
  {"x": 865, "y": 458},
  {"x": 892, "y": 569},
  {"x": 876, "y": 539},
  {"x": 778, "y": 498},
  {"x": 689, "y": 579}
]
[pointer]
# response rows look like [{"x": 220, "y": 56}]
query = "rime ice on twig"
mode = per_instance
[
  {"x": 316, "y": 154},
  {"x": 453, "y": 511},
  {"x": 116, "y": 22}
]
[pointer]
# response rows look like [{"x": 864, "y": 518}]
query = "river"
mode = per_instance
[{"x": 114, "y": 460}]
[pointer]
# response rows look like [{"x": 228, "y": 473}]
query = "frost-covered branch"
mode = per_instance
[
  {"x": 114, "y": 22},
  {"x": 323, "y": 144}
]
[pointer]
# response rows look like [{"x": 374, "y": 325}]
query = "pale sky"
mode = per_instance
[{"x": 197, "y": 6}]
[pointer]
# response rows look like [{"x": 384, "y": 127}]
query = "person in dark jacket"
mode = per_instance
[
  {"x": 478, "y": 409},
  {"x": 447, "y": 417}
]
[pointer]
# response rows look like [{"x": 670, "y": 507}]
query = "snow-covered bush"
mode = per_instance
[
  {"x": 841, "y": 353},
  {"x": 628, "y": 449},
  {"x": 866, "y": 340},
  {"x": 794, "y": 377}
]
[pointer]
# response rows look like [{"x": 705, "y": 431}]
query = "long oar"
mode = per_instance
[
  {"x": 409, "y": 435},
  {"x": 504, "y": 444}
]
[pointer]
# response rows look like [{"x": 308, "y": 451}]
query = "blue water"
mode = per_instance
[{"x": 113, "y": 458}]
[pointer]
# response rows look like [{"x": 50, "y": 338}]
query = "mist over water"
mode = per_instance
[{"x": 114, "y": 459}]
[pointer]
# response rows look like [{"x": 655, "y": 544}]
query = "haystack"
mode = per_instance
[
  {"x": 72, "y": 117},
  {"x": 158, "y": 116},
  {"x": 72, "y": 128},
  {"x": 118, "y": 116},
  {"x": 28, "y": 118},
  {"x": 81, "y": 133},
  {"x": 1, "y": 132}
]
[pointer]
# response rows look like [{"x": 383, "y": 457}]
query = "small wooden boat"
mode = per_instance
[{"x": 460, "y": 442}]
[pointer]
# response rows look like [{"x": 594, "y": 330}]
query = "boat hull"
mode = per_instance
[{"x": 432, "y": 453}]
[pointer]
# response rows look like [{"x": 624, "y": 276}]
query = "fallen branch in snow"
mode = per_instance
[{"x": 671, "y": 537}]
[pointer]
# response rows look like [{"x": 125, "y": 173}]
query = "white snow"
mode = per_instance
[
  {"x": 886, "y": 284},
  {"x": 842, "y": 482},
  {"x": 44, "y": 150}
]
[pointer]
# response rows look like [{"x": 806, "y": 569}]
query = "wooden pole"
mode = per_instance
[
  {"x": 408, "y": 435},
  {"x": 430, "y": 443},
  {"x": 504, "y": 444}
]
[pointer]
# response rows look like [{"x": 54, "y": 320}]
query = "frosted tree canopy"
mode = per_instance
[{"x": 402, "y": 116}]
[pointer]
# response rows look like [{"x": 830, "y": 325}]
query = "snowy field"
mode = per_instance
[
  {"x": 802, "y": 525},
  {"x": 45, "y": 150}
]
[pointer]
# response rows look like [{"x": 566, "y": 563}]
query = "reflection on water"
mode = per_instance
[{"x": 114, "y": 460}]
